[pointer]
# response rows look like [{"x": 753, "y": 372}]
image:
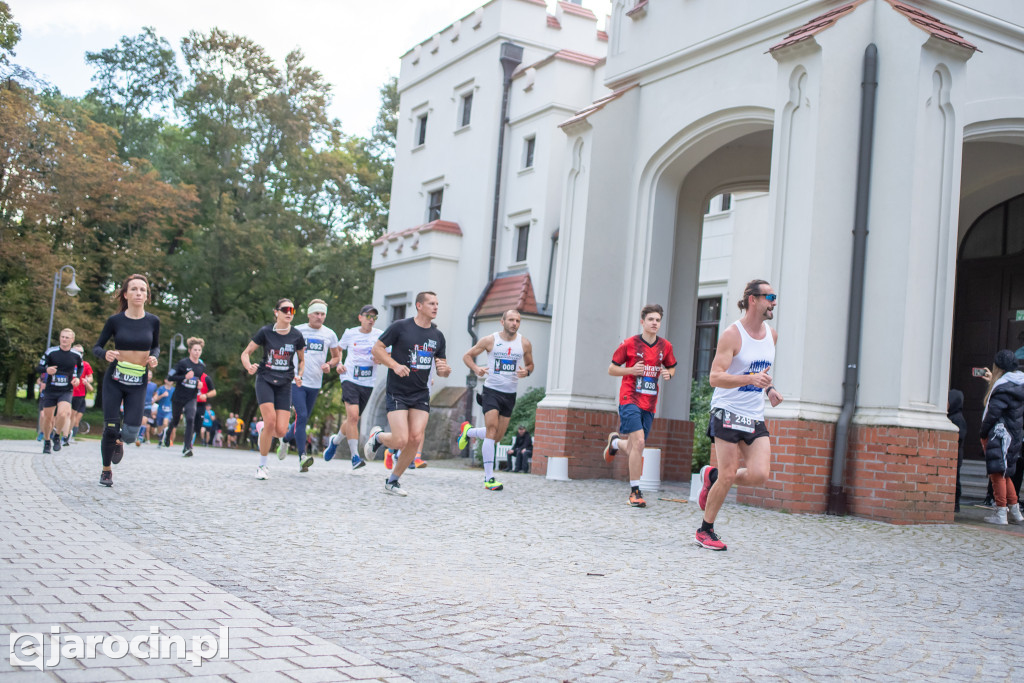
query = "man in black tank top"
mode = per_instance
[{"x": 740, "y": 437}]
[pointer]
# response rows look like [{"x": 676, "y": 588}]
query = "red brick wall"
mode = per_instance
[
  {"x": 895, "y": 475},
  {"x": 582, "y": 434}
]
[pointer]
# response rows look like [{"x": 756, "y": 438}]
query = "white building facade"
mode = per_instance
[{"x": 763, "y": 102}]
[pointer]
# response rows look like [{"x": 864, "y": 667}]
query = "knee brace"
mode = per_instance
[
  {"x": 130, "y": 432},
  {"x": 111, "y": 431}
]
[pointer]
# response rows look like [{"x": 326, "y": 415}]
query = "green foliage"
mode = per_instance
[
  {"x": 17, "y": 433},
  {"x": 700, "y": 412},
  {"x": 524, "y": 413},
  {"x": 10, "y": 32}
]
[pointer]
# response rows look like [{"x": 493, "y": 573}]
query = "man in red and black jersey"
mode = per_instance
[{"x": 642, "y": 361}]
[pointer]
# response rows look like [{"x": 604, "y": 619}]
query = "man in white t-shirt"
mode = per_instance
[
  {"x": 322, "y": 355},
  {"x": 358, "y": 375}
]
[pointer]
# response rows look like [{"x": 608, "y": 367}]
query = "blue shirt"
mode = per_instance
[{"x": 150, "y": 390}]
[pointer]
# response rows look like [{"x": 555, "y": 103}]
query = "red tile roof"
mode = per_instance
[
  {"x": 508, "y": 291},
  {"x": 816, "y": 25},
  {"x": 639, "y": 9},
  {"x": 602, "y": 35},
  {"x": 932, "y": 25},
  {"x": 570, "y": 8},
  {"x": 596, "y": 106},
  {"x": 537, "y": 2},
  {"x": 436, "y": 226},
  {"x": 553, "y": 21},
  {"x": 563, "y": 55}
]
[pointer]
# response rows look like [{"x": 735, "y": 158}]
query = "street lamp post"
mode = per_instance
[
  {"x": 72, "y": 289},
  {"x": 170, "y": 349}
]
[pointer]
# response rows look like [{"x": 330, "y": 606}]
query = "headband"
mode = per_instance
[{"x": 317, "y": 308}]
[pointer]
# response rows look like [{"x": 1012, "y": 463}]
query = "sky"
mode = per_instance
[{"x": 356, "y": 44}]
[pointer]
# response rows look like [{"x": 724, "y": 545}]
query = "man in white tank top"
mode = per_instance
[
  {"x": 739, "y": 374},
  {"x": 509, "y": 357}
]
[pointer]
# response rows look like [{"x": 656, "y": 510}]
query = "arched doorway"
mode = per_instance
[{"x": 989, "y": 306}]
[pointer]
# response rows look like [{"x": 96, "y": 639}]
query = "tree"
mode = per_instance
[{"x": 134, "y": 80}]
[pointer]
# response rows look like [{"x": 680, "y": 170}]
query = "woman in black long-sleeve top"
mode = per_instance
[{"x": 136, "y": 336}]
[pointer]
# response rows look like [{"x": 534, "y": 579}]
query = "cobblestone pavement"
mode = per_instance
[{"x": 542, "y": 581}]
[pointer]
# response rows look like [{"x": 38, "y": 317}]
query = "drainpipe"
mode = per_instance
[
  {"x": 551, "y": 270},
  {"x": 511, "y": 57},
  {"x": 869, "y": 86}
]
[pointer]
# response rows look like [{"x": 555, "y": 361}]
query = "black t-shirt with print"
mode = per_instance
[
  {"x": 187, "y": 389},
  {"x": 415, "y": 347},
  {"x": 68, "y": 364},
  {"x": 278, "y": 351}
]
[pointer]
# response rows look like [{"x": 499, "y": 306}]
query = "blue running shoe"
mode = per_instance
[
  {"x": 357, "y": 462},
  {"x": 331, "y": 449},
  {"x": 39, "y": 436}
]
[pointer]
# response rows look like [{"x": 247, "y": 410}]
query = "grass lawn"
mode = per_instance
[{"x": 23, "y": 433}]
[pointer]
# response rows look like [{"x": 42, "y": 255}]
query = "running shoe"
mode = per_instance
[
  {"x": 372, "y": 445},
  {"x": 492, "y": 485},
  {"x": 46, "y": 446},
  {"x": 187, "y": 453},
  {"x": 39, "y": 436},
  {"x": 331, "y": 449},
  {"x": 116, "y": 452},
  {"x": 282, "y": 450},
  {"x": 70, "y": 440},
  {"x": 357, "y": 463},
  {"x": 262, "y": 472},
  {"x": 106, "y": 478},
  {"x": 709, "y": 540},
  {"x": 305, "y": 461},
  {"x": 463, "y": 438},
  {"x": 394, "y": 488},
  {"x": 138, "y": 443},
  {"x": 636, "y": 499},
  {"x": 65, "y": 442},
  {"x": 56, "y": 444},
  {"x": 418, "y": 462},
  {"x": 389, "y": 459},
  {"x": 609, "y": 452},
  {"x": 708, "y": 475}
]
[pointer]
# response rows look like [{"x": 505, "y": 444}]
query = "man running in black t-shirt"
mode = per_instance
[{"x": 416, "y": 346}]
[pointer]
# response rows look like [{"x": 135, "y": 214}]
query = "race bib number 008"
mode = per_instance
[{"x": 504, "y": 366}]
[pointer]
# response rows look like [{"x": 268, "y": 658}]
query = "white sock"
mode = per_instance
[
  {"x": 634, "y": 482},
  {"x": 488, "y": 455},
  {"x": 353, "y": 445},
  {"x": 477, "y": 432},
  {"x": 263, "y": 460},
  {"x": 616, "y": 444}
]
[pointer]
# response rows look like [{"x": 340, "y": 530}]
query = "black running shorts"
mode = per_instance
[
  {"x": 737, "y": 430},
  {"x": 355, "y": 395},
  {"x": 501, "y": 401}
]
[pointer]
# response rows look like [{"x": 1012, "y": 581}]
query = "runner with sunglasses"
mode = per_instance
[
  {"x": 136, "y": 336},
  {"x": 358, "y": 376},
  {"x": 739, "y": 374},
  {"x": 281, "y": 344},
  {"x": 322, "y": 354}
]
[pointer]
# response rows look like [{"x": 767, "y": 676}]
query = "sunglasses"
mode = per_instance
[
  {"x": 770, "y": 298},
  {"x": 371, "y": 316},
  {"x": 287, "y": 310}
]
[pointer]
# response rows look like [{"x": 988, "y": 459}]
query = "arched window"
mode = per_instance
[{"x": 997, "y": 232}]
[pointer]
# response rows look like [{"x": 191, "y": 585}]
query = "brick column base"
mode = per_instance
[
  {"x": 893, "y": 474},
  {"x": 581, "y": 435}
]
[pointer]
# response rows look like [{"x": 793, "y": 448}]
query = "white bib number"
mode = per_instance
[
  {"x": 739, "y": 423},
  {"x": 647, "y": 385},
  {"x": 424, "y": 360},
  {"x": 127, "y": 380},
  {"x": 505, "y": 366},
  {"x": 315, "y": 345},
  {"x": 363, "y": 372},
  {"x": 59, "y": 380}
]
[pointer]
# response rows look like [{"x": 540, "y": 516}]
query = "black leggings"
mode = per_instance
[
  {"x": 116, "y": 395},
  {"x": 189, "y": 410}
]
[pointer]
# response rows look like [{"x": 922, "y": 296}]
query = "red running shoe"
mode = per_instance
[
  {"x": 389, "y": 458},
  {"x": 709, "y": 540},
  {"x": 705, "y": 475}
]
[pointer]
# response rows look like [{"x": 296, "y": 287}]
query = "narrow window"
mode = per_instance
[
  {"x": 397, "y": 312},
  {"x": 528, "y": 147},
  {"x": 522, "y": 241},
  {"x": 434, "y": 205},
  {"x": 726, "y": 201},
  {"x": 709, "y": 314},
  {"x": 467, "y": 109},
  {"x": 421, "y": 130}
]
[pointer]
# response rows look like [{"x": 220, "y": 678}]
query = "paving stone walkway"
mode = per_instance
[{"x": 542, "y": 581}]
